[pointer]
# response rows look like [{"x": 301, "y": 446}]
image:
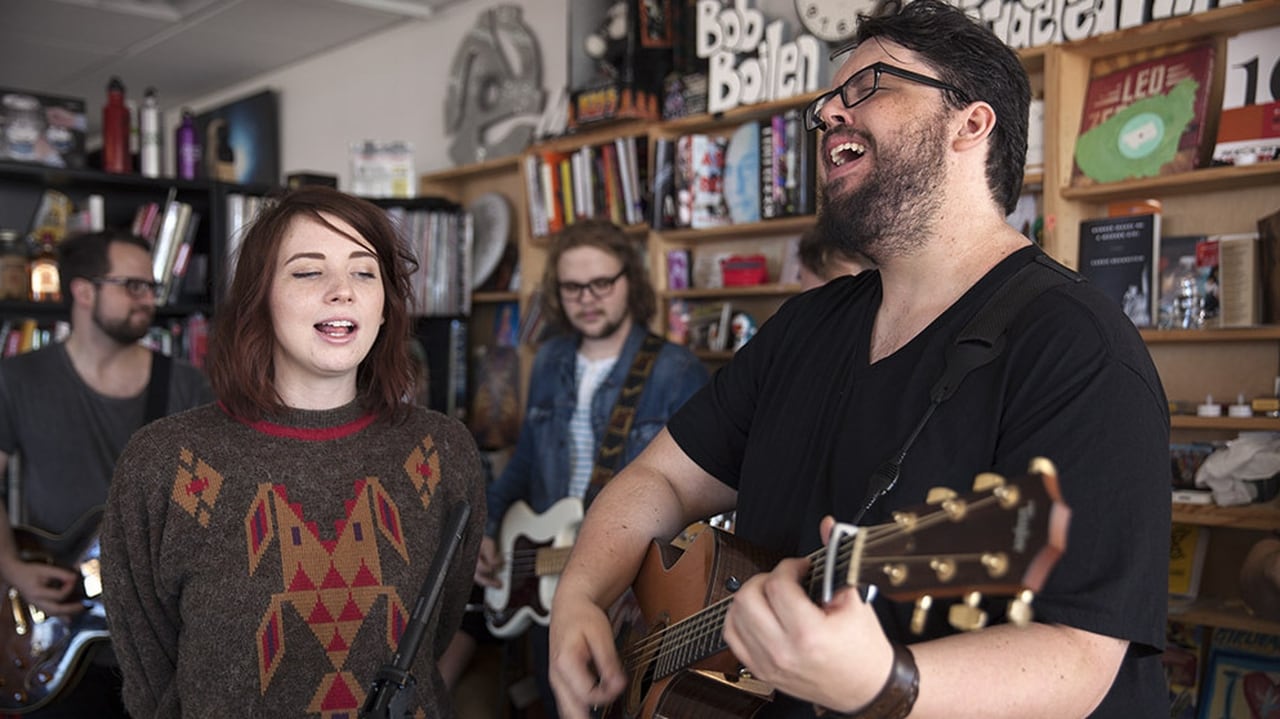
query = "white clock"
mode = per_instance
[{"x": 832, "y": 20}]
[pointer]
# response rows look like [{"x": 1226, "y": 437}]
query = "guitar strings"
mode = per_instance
[
  {"x": 708, "y": 623},
  {"x": 525, "y": 561}
]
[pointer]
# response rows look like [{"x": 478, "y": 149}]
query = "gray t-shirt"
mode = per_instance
[{"x": 68, "y": 436}]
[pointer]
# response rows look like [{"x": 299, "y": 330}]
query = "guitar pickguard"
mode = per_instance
[{"x": 524, "y": 539}]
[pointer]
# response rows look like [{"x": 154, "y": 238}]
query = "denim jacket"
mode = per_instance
[{"x": 538, "y": 471}]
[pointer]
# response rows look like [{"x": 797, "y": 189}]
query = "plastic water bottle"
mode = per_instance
[
  {"x": 186, "y": 147},
  {"x": 149, "y": 130}
]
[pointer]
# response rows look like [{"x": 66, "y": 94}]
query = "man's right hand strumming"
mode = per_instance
[{"x": 585, "y": 671}]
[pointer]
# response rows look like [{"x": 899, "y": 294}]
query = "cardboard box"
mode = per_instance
[
  {"x": 42, "y": 129},
  {"x": 619, "y": 54}
]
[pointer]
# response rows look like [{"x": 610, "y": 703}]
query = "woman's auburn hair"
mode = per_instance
[{"x": 242, "y": 344}]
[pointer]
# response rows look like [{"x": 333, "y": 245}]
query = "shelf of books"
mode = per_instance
[{"x": 1085, "y": 174}]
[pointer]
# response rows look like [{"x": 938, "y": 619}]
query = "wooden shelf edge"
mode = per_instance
[
  {"x": 1203, "y": 180},
  {"x": 636, "y": 232},
  {"x": 737, "y": 115},
  {"x": 509, "y": 163},
  {"x": 481, "y": 298},
  {"x": 1262, "y": 515},
  {"x": 592, "y": 135},
  {"x": 1264, "y": 333},
  {"x": 764, "y": 228},
  {"x": 1228, "y": 614},
  {"x": 699, "y": 293},
  {"x": 1248, "y": 15},
  {"x": 1241, "y": 424}
]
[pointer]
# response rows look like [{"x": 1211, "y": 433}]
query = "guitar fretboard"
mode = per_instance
[{"x": 551, "y": 560}]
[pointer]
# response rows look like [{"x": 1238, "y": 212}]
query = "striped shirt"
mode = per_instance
[{"x": 588, "y": 375}]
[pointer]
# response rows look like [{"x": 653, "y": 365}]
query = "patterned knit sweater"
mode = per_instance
[{"x": 269, "y": 569}]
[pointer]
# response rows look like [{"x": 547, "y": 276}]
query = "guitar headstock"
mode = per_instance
[{"x": 1003, "y": 539}]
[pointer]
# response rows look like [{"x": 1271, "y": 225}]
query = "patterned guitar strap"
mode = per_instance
[{"x": 609, "y": 454}]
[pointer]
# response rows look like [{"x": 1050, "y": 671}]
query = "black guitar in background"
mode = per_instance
[{"x": 43, "y": 656}]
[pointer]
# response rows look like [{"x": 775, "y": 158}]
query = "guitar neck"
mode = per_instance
[{"x": 551, "y": 560}]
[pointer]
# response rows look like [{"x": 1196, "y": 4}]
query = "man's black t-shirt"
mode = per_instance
[{"x": 799, "y": 420}]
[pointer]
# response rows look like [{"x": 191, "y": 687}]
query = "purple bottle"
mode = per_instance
[{"x": 186, "y": 147}]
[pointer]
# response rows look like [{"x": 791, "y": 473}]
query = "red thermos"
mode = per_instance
[{"x": 115, "y": 130}]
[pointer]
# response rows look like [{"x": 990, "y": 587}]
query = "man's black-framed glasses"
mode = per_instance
[
  {"x": 136, "y": 286},
  {"x": 862, "y": 85},
  {"x": 600, "y": 287}
]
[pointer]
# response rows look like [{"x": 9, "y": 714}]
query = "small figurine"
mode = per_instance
[{"x": 742, "y": 328}]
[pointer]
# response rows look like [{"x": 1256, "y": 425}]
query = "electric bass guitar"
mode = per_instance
[
  {"x": 43, "y": 654},
  {"x": 534, "y": 549},
  {"x": 1004, "y": 539}
]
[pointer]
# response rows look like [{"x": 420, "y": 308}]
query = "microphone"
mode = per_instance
[{"x": 392, "y": 686}]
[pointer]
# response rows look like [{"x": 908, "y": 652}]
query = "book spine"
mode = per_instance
[
  {"x": 663, "y": 204},
  {"x": 791, "y": 161},
  {"x": 533, "y": 191},
  {"x": 551, "y": 192},
  {"x": 806, "y": 174},
  {"x": 768, "y": 205},
  {"x": 684, "y": 180},
  {"x": 778, "y": 169}
]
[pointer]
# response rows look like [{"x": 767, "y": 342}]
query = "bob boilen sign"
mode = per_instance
[{"x": 750, "y": 58}]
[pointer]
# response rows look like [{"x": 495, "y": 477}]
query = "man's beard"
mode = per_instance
[
  {"x": 122, "y": 330},
  {"x": 893, "y": 210},
  {"x": 609, "y": 330}
]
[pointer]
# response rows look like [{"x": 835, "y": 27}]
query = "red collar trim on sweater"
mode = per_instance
[{"x": 307, "y": 434}]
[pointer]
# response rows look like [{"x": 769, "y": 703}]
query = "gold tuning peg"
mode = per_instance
[
  {"x": 1020, "y": 608},
  {"x": 1042, "y": 465},
  {"x": 920, "y": 613},
  {"x": 987, "y": 481},
  {"x": 938, "y": 495},
  {"x": 968, "y": 617}
]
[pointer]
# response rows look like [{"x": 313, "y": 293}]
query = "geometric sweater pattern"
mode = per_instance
[{"x": 330, "y": 578}]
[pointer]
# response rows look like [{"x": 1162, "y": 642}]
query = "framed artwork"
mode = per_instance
[{"x": 240, "y": 141}]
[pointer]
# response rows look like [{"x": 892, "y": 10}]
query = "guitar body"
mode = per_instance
[
  {"x": 527, "y": 540},
  {"x": 43, "y": 655},
  {"x": 1004, "y": 538},
  {"x": 670, "y": 587}
]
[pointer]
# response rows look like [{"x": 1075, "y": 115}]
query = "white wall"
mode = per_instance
[{"x": 390, "y": 86}]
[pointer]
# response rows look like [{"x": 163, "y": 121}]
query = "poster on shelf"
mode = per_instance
[{"x": 241, "y": 140}]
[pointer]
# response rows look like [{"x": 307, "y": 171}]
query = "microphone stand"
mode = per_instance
[{"x": 392, "y": 686}]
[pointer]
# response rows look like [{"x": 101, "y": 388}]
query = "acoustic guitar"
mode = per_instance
[
  {"x": 43, "y": 654},
  {"x": 1004, "y": 539}
]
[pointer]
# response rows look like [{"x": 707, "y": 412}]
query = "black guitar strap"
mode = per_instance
[
  {"x": 158, "y": 387},
  {"x": 980, "y": 342},
  {"x": 609, "y": 454}
]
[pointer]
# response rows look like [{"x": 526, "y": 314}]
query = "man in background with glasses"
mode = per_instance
[
  {"x": 596, "y": 291},
  {"x": 66, "y": 412},
  {"x": 922, "y": 150}
]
